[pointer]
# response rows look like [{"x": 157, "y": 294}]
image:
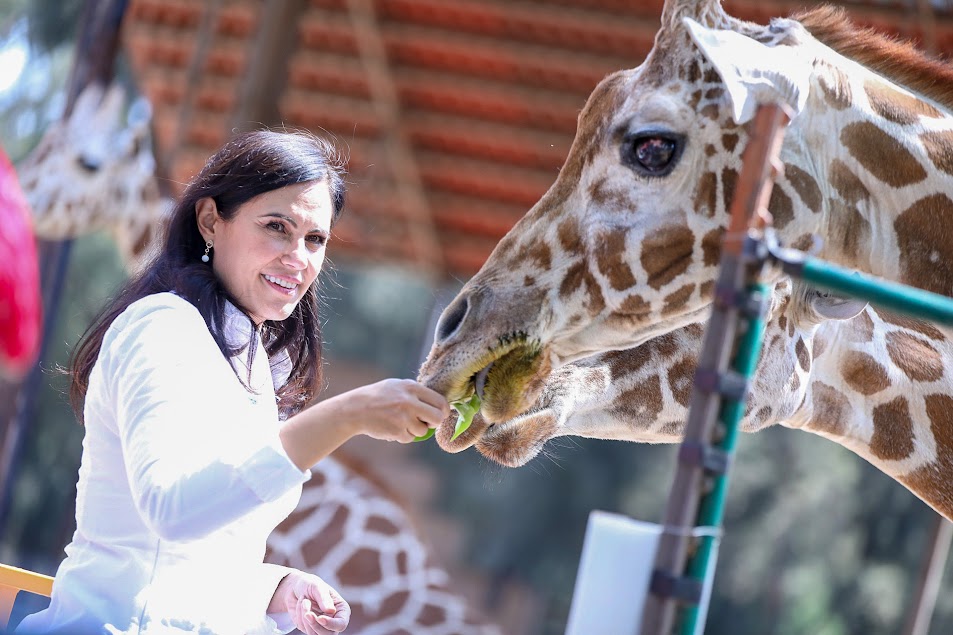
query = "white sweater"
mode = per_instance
[{"x": 182, "y": 479}]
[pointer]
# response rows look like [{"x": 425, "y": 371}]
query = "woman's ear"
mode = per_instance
[{"x": 207, "y": 218}]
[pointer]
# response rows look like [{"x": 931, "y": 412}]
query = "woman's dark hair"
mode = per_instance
[{"x": 250, "y": 164}]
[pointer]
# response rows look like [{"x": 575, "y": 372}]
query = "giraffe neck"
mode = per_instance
[
  {"x": 881, "y": 387},
  {"x": 872, "y": 164}
]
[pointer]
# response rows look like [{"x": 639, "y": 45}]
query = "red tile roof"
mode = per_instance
[{"x": 486, "y": 95}]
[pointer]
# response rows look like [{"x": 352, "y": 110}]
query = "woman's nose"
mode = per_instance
[{"x": 297, "y": 255}]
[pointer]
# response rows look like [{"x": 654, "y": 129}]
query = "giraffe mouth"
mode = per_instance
[{"x": 508, "y": 382}]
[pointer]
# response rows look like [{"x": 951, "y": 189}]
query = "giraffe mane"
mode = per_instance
[{"x": 895, "y": 59}]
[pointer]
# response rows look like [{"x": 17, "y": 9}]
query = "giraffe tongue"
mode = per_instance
[{"x": 480, "y": 380}]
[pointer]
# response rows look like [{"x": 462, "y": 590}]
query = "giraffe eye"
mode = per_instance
[{"x": 651, "y": 154}]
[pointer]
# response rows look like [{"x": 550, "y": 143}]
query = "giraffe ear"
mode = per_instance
[
  {"x": 833, "y": 307},
  {"x": 753, "y": 73}
]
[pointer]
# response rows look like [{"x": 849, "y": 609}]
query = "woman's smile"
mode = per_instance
[{"x": 282, "y": 285}]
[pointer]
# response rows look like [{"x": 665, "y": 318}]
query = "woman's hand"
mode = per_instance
[
  {"x": 393, "y": 409},
  {"x": 314, "y": 606}
]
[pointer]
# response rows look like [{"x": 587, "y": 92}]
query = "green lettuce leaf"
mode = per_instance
[{"x": 466, "y": 410}]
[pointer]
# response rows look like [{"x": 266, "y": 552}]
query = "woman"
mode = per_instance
[{"x": 192, "y": 386}]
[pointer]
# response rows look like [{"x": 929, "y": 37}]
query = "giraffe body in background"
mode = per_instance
[
  {"x": 89, "y": 173},
  {"x": 623, "y": 249}
]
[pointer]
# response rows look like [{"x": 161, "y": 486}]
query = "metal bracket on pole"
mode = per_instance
[
  {"x": 728, "y": 384},
  {"x": 708, "y": 457},
  {"x": 684, "y": 590}
]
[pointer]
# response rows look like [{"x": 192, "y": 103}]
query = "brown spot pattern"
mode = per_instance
[
  {"x": 667, "y": 254},
  {"x": 893, "y": 431},
  {"x": 803, "y": 358},
  {"x": 597, "y": 301},
  {"x": 805, "y": 185},
  {"x": 932, "y": 482},
  {"x": 804, "y": 242},
  {"x": 610, "y": 257},
  {"x": 761, "y": 417},
  {"x": 431, "y": 615},
  {"x": 573, "y": 279},
  {"x": 707, "y": 290},
  {"x": 614, "y": 199},
  {"x": 915, "y": 357},
  {"x": 863, "y": 373},
  {"x": 635, "y": 305},
  {"x": 918, "y": 240},
  {"x": 677, "y": 299},
  {"x": 849, "y": 231},
  {"x": 820, "y": 346},
  {"x": 729, "y": 179},
  {"x": 882, "y": 154},
  {"x": 730, "y": 141},
  {"x": 382, "y": 525},
  {"x": 625, "y": 362},
  {"x": 836, "y": 88},
  {"x": 831, "y": 408},
  {"x": 711, "y": 247},
  {"x": 569, "y": 237},
  {"x": 642, "y": 402},
  {"x": 781, "y": 208},
  {"x": 540, "y": 254},
  {"x": 362, "y": 567},
  {"x": 939, "y": 147},
  {"x": 681, "y": 377},
  {"x": 924, "y": 328},
  {"x": 895, "y": 106},
  {"x": 846, "y": 183},
  {"x": 706, "y": 194}
]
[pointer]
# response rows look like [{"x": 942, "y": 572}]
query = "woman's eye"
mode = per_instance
[
  {"x": 317, "y": 239},
  {"x": 276, "y": 226},
  {"x": 651, "y": 155}
]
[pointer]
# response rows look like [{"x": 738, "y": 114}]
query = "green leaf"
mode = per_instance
[
  {"x": 426, "y": 436},
  {"x": 465, "y": 412}
]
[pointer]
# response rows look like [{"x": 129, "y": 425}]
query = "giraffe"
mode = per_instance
[
  {"x": 89, "y": 172},
  {"x": 624, "y": 246}
]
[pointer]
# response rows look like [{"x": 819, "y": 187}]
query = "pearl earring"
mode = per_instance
[{"x": 208, "y": 246}]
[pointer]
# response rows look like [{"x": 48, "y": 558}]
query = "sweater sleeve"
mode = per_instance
[{"x": 197, "y": 453}]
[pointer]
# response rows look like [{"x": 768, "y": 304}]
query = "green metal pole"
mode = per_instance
[
  {"x": 712, "y": 507},
  {"x": 889, "y": 295}
]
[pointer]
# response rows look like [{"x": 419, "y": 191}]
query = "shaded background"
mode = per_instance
[{"x": 455, "y": 116}]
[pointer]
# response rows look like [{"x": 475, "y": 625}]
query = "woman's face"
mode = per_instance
[{"x": 272, "y": 249}]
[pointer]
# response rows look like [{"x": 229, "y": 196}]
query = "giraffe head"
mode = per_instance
[
  {"x": 624, "y": 246},
  {"x": 93, "y": 171}
]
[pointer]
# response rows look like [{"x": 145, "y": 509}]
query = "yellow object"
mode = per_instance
[{"x": 14, "y": 580}]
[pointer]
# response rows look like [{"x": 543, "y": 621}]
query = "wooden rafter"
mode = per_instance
[{"x": 409, "y": 186}]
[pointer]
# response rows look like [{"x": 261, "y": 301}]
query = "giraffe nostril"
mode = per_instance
[{"x": 452, "y": 318}]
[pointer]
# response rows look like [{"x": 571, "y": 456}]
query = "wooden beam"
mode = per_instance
[
  {"x": 267, "y": 71},
  {"x": 398, "y": 150}
]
